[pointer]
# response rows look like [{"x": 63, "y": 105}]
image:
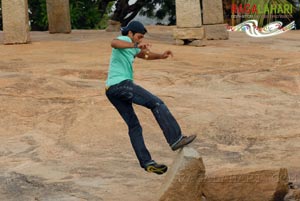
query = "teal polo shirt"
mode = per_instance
[{"x": 121, "y": 63}]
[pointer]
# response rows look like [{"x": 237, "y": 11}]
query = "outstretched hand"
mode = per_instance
[{"x": 166, "y": 54}]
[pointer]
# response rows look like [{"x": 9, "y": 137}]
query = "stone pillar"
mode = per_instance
[
  {"x": 213, "y": 20},
  {"x": 188, "y": 13},
  {"x": 212, "y": 12},
  {"x": 59, "y": 16},
  {"x": 188, "y": 21},
  {"x": 15, "y": 21},
  {"x": 193, "y": 28}
]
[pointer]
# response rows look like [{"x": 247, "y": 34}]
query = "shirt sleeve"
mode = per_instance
[
  {"x": 138, "y": 50},
  {"x": 127, "y": 39},
  {"x": 124, "y": 38}
]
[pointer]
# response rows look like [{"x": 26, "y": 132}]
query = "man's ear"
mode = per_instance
[{"x": 130, "y": 34}]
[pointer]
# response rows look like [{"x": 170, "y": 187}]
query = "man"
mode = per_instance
[{"x": 123, "y": 92}]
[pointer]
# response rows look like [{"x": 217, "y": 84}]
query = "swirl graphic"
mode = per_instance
[{"x": 251, "y": 28}]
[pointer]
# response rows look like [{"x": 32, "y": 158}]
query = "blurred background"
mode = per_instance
[{"x": 94, "y": 14}]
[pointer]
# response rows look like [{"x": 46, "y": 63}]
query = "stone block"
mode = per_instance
[
  {"x": 216, "y": 32},
  {"x": 188, "y": 13},
  {"x": 183, "y": 179},
  {"x": 179, "y": 42},
  {"x": 198, "y": 43},
  {"x": 15, "y": 21},
  {"x": 189, "y": 33},
  {"x": 212, "y": 12},
  {"x": 59, "y": 16},
  {"x": 260, "y": 185}
]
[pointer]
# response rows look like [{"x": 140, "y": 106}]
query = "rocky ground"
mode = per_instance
[{"x": 62, "y": 140}]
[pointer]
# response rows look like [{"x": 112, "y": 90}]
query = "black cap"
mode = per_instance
[{"x": 134, "y": 26}]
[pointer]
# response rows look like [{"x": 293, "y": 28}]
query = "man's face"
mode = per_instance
[{"x": 137, "y": 37}]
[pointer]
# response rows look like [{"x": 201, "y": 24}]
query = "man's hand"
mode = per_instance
[{"x": 166, "y": 54}]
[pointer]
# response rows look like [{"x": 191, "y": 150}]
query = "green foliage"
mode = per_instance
[
  {"x": 159, "y": 9},
  {"x": 38, "y": 15},
  {"x": 104, "y": 20},
  {"x": 84, "y": 14}
]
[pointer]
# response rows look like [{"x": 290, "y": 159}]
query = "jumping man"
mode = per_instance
[{"x": 122, "y": 92}]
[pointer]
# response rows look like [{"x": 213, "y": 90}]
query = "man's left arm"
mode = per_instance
[{"x": 148, "y": 55}]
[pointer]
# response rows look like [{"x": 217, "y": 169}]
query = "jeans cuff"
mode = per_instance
[
  {"x": 149, "y": 163},
  {"x": 177, "y": 141}
]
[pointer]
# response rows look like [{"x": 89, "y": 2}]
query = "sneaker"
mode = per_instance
[
  {"x": 156, "y": 168},
  {"x": 183, "y": 142}
]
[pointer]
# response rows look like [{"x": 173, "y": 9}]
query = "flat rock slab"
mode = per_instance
[
  {"x": 189, "y": 33},
  {"x": 260, "y": 185}
]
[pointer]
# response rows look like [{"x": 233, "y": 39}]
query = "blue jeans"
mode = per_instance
[{"x": 122, "y": 96}]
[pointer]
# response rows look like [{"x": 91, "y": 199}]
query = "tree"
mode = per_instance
[
  {"x": 160, "y": 9},
  {"x": 38, "y": 15},
  {"x": 124, "y": 12}
]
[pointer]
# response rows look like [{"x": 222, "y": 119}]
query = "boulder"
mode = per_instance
[
  {"x": 183, "y": 180},
  {"x": 198, "y": 43}
]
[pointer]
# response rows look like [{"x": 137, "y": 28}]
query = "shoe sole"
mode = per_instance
[
  {"x": 156, "y": 170},
  {"x": 183, "y": 145}
]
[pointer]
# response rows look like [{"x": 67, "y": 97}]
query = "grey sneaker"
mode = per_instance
[{"x": 183, "y": 142}]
